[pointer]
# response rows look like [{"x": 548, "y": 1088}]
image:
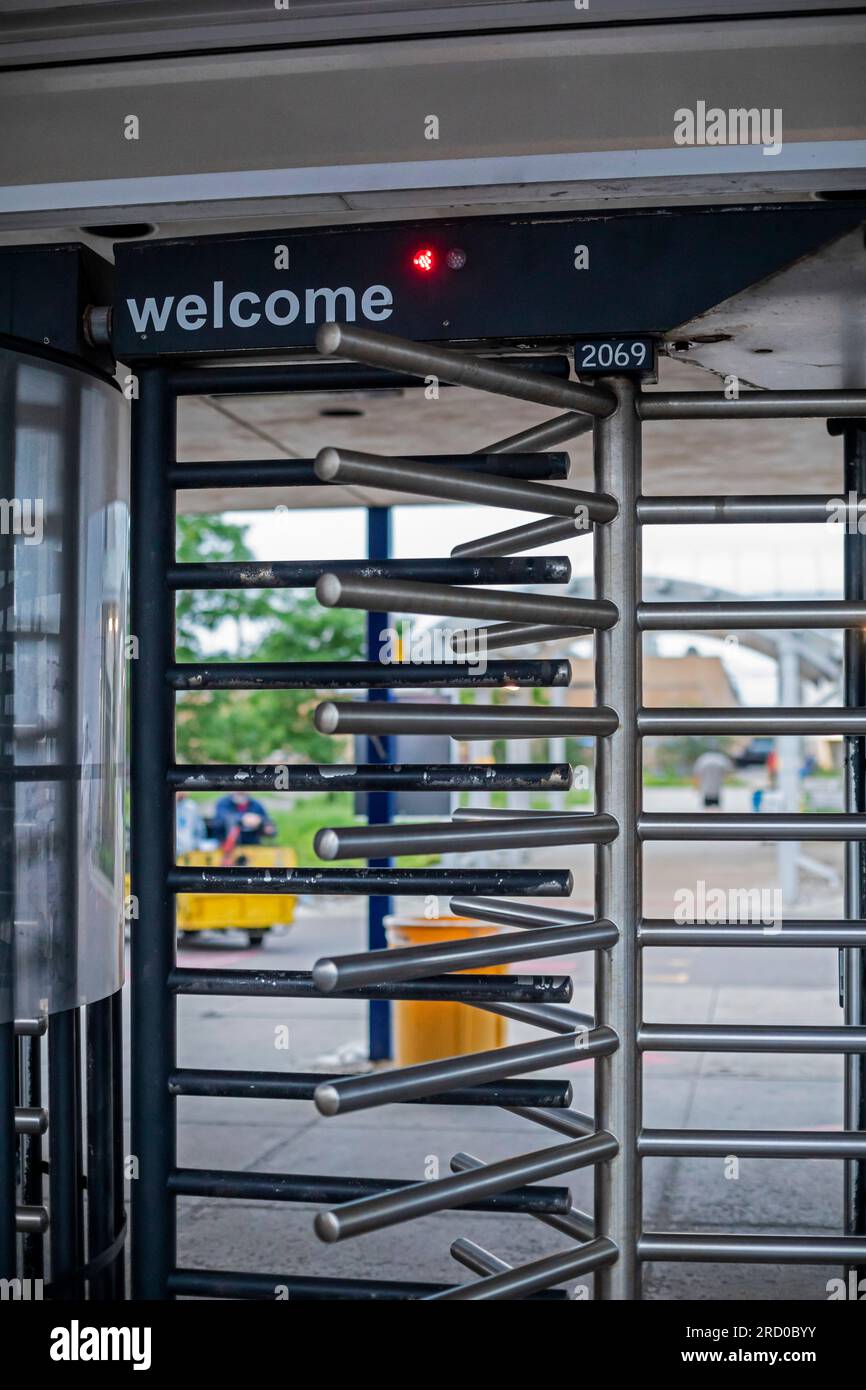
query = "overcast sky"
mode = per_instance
[{"x": 752, "y": 561}]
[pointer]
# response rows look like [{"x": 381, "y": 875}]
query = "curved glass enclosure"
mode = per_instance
[{"x": 63, "y": 569}]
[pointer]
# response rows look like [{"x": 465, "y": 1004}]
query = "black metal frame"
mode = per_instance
[{"x": 156, "y": 879}]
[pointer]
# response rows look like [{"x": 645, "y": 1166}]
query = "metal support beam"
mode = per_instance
[{"x": 618, "y": 862}]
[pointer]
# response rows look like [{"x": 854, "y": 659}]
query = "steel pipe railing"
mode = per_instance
[
  {"x": 481, "y": 374},
  {"x": 746, "y": 509},
  {"x": 772, "y": 613},
  {"x": 342, "y": 466},
  {"x": 807, "y": 1250},
  {"x": 726, "y": 1037},
  {"x": 291, "y": 377},
  {"x": 406, "y": 596},
  {"x": 490, "y": 639},
  {"x": 414, "y": 962},
  {"x": 518, "y": 914},
  {"x": 571, "y": 1122},
  {"x": 528, "y": 536},
  {"x": 526, "y": 1279},
  {"x": 752, "y": 405},
  {"x": 460, "y": 721},
  {"x": 707, "y": 825},
  {"x": 809, "y": 719},
  {"x": 424, "y": 1198},
  {"x": 749, "y": 1143},
  {"x": 433, "y": 837},
  {"x": 544, "y": 436},
  {"x": 576, "y": 1224},
  {"x": 791, "y": 931},
  {"x": 476, "y": 1258},
  {"x": 428, "y": 1078}
]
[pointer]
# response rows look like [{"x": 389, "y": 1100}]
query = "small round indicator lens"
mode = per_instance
[
  {"x": 456, "y": 258},
  {"x": 424, "y": 259}
]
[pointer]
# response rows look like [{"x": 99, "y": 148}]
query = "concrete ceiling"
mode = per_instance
[{"x": 679, "y": 457}]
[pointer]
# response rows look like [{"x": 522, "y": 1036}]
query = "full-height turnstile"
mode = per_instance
[
  {"x": 612, "y": 1242},
  {"x": 194, "y": 302}
]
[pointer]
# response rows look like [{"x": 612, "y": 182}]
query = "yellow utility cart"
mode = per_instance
[{"x": 254, "y": 913}]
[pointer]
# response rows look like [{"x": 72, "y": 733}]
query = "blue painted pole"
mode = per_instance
[{"x": 380, "y": 805}]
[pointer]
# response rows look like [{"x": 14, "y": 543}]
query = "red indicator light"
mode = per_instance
[{"x": 424, "y": 259}]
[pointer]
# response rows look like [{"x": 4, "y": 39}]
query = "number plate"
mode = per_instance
[{"x": 608, "y": 356}]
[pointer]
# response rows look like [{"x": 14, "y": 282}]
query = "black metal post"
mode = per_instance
[{"x": 153, "y": 931}]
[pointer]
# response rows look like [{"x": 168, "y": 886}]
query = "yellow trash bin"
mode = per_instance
[{"x": 424, "y": 1031}]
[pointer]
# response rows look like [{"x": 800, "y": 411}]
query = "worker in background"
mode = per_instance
[
  {"x": 710, "y": 771},
  {"x": 242, "y": 820}
]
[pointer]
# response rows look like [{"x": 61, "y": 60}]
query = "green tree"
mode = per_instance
[{"x": 269, "y": 625}]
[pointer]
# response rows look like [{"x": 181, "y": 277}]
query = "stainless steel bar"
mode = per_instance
[
  {"x": 791, "y": 931},
  {"x": 571, "y": 1122},
  {"x": 526, "y": 537},
  {"x": 405, "y": 596},
  {"x": 31, "y": 1221},
  {"x": 773, "y": 613},
  {"x": 473, "y": 640},
  {"x": 750, "y": 1143},
  {"x": 553, "y": 1017},
  {"x": 362, "y": 777},
  {"x": 475, "y": 952},
  {"x": 753, "y": 405},
  {"x": 852, "y": 963},
  {"x": 725, "y": 1037},
  {"x": 233, "y": 1283},
  {"x": 31, "y": 1027},
  {"x": 755, "y": 720},
  {"x": 527, "y": 1279},
  {"x": 366, "y": 675},
  {"x": 341, "y": 466},
  {"x": 790, "y": 1250},
  {"x": 618, "y": 776},
  {"x": 659, "y": 825},
  {"x": 434, "y": 837},
  {"x": 524, "y": 1280},
  {"x": 747, "y": 509},
  {"x": 544, "y": 436},
  {"x": 430, "y": 1078},
  {"x": 481, "y": 374},
  {"x": 423, "y": 1198},
  {"x": 30, "y": 1120},
  {"x": 474, "y": 1257},
  {"x": 576, "y": 1224},
  {"x": 517, "y": 914},
  {"x": 460, "y": 721}
]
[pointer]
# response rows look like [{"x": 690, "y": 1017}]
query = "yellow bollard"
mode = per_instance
[{"x": 424, "y": 1031}]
